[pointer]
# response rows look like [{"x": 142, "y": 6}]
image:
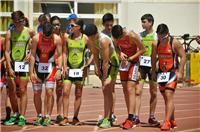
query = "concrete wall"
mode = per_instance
[{"x": 181, "y": 17}]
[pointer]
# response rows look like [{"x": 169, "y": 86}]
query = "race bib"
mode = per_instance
[
  {"x": 45, "y": 67},
  {"x": 123, "y": 66},
  {"x": 21, "y": 67},
  {"x": 145, "y": 61},
  {"x": 163, "y": 77},
  {"x": 74, "y": 73},
  {"x": 135, "y": 73}
]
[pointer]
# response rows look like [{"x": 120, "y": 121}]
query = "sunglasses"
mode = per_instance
[
  {"x": 57, "y": 24},
  {"x": 73, "y": 25},
  {"x": 18, "y": 21}
]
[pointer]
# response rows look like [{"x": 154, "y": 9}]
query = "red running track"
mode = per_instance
[{"x": 187, "y": 113}]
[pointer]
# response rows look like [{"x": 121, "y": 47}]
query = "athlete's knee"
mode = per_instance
[
  {"x": 59, "y": 91},
  {"x": 37, "y": 93},
  {"x": 78, "y": 95},
  {"x": 49, "y": 92},
  {"x": 66, "y": 93},
  {"x": 23, "y": 91}
]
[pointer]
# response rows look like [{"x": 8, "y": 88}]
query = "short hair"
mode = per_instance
[
  {"x": 55, "y": 18},
  {"x": 107, "y": 17},
  {"x": 90, "y": 30},
  {"x": 162, "y": 29},
  {"x": 47, "y": 29},
  {"x": 17, "y": 15},
  {"x": 26, "y": 22},
  {"x": 149, "y": 18},
  {"x": 117, "y": 31}
]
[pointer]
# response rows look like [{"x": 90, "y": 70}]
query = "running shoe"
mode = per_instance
[
  {"x": 76, "y": 121},
  {"x": 47, "y": 121},
  {"x": 64, "y": 122},
  {"x": 12, "y": 120},
  {"x": 113, "y": 119},
  {"x": 173, "y": 124},
  {"x": 166, "y": 126},
  {"x": 59, "y": 118},
  {"x": 38, "y": 121},
  {"x": 153, "y": 121},
  {"x": 22, "y": 121},
  {"x": 105, "y": 123},
  {"x": 128, "y": 124}
]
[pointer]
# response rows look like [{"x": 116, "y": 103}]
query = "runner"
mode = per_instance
[
  {"x": 168, "y": 48},
  {"x": 17, "y": 57},
  {"x": 130, "y": 49},
  {"x": 43, "y": 69},
  {"x": 106, "y": 68},
  {"x": 147, "y": 37},
  {"x": 74, "y": 64},
  {"x": 108, "y": 21},
  {"x": 56, "y": 22},
  {"x": 3, "y": 73}
]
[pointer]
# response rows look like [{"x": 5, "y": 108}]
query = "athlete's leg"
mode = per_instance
[
  {"x": 124, "y": 85},
  {"x": 169, "y": 103},
  {"x": 153, "y": 97},
  {"x": 59, "y": 98},
  {"x": 38, "y": 101},
  {"x": 12, "y": 95},
  {"x": 108, "y": 98},
  {"x": 49, "y": 97},
  {"x": 138, "y": 97},
  {"x": 66, "y": 94},
  {"x": 78, "y": 99},
  {"x": 23, "y": 96},
  {"x": 114, "y": 96},
  {"x": 131, "y": 88}
]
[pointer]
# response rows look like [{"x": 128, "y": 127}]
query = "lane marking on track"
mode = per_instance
[{"x": 191, "y": 130}]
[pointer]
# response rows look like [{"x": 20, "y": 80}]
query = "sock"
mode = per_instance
[
  {"x": 136, "y": 117},
  {"x": 151, "y": 116},
  {"x": 40, "y": 115},
  {"x": 130, "y": 117}
]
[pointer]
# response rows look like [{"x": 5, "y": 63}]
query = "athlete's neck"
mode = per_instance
[
  {"x": 19, "y": 29},
  {"x": 149, "y": 31},
  {"x": 77, "y": 35}
]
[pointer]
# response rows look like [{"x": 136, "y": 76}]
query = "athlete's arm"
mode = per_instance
[
  {"x": 7, "y": 53},
  {"x": 95, "y": 53},
  {"x": 105, "y": 47},
  {"x": 153, "y": 59},
  {"x": 65, "y": 54},
  {"x": 3, "y": 50},
  {"x": 31, "y": 34},
  {"x": 89, "y": 61},
  {"x": 181, "y": 53},
  {"x": 33, "y": 53},
  {"x": 136, "y": 39},
  {"x": 58, "y": 43}
]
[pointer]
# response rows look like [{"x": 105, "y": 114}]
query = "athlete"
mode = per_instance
[
  {"x": 43, "y": 69},
  {"x": 56, "y": 22},
  {"x": 107, "y": 22},
  {"x": 147, "y": 37},
  {"x": 74, "y": 65},
  {"x": 131, "y": 48},
  {"x": 167, "y": 49},
  {"x": 106, "y": 68},
  {"x": 17, "y": 58},
  {"x": 3, "y": 74}
]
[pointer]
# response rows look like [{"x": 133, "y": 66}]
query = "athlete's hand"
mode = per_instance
[
  {"x": 11, "y": 72},
  {"x": 123, "y": 56},
  {"x": 98, "y": 72},
  {"x": 32, "y": 77},
  {"x": 179, "y": 76},
  {"x": 66, "y": 71},
  {"x": 27, "y": 58},
  {"x": 153, "y": 76},
  {"x": 58, "y": 75}
]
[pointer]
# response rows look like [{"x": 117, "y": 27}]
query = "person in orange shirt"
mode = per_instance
[{"x": 167, "y": 48}]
